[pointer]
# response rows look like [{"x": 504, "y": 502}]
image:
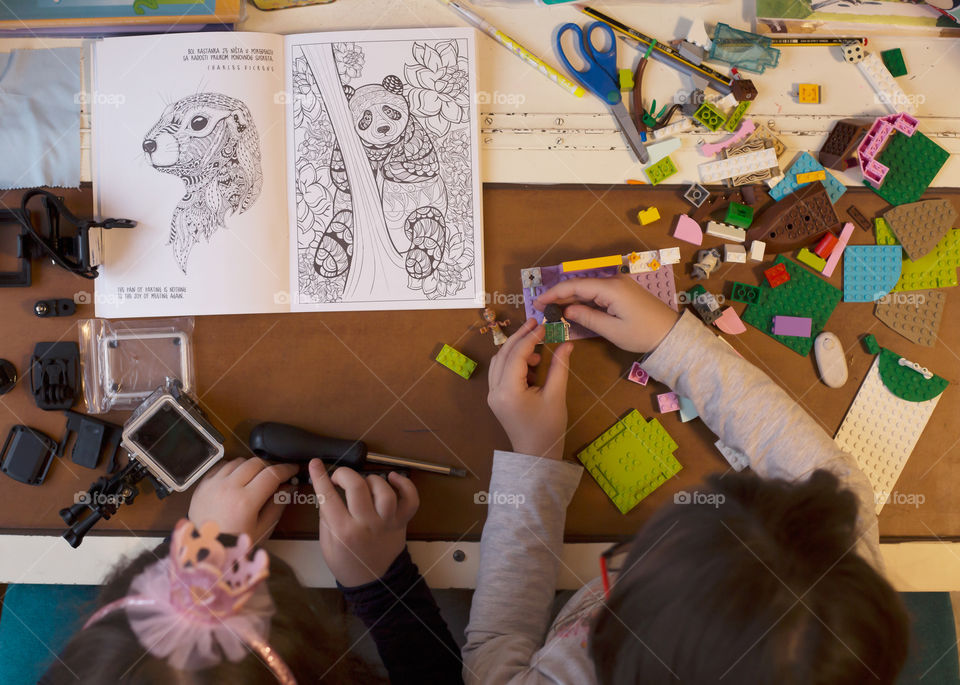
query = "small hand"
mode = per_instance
[
  {"x": 535, "y": 419},
  {"x": 239, "y": 495},
  {"x": 360, "y": 539},
  {"x": 630, "y": 317}
]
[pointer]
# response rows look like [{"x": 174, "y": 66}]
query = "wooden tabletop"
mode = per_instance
[{"x": 372, "y": 376}]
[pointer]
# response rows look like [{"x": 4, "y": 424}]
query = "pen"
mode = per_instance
[{"x": 516, "y": 48}]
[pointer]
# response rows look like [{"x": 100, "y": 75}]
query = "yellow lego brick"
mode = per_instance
[
  {"x": 812, "y": 260},
  {"x": 648, "y": 216},
  {"x": 809, "y": 93},
  {"x": 594, "y": 263},
  {"x": 811, "y": 176}
]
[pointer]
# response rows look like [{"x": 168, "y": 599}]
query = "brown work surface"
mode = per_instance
[{"x": 372, "y": 376}]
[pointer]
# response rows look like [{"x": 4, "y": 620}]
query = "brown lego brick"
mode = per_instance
[
  {"x": 798, "y": 219},
  {"x": 842, "y": 143},
  {"x": 919, "y": 226}
]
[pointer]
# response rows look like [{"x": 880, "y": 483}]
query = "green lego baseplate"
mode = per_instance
[
  {"x": 709, "y": 116},
  {"x": 914, "y": 162},
  {"x": 456, "y": 361},
  {"x": 936, "y": 269},
  {"x": 661, "y": 170},
  {"x": 903, "y": 381},
  {"x": 805, "y": 295},
  {"x": 631, "y": 459}
]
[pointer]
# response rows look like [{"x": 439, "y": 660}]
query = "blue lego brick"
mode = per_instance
[
  {"x": 805, "y": 295},
  {"x": 631, "y": 459},
  {"x": 804, "y": 164},
  {"x": 870, "y": 271}
]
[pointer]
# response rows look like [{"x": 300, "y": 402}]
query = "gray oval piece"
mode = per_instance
[{"x": 830, "y": 360}]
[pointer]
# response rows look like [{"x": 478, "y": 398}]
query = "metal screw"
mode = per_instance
[
  {"x": 487, "y": 141},
  {"x": 488, "y": 121},
  {"x": 459, "y": 555},
  {"x": 559, "y": 141},
  {"x": 41, "y": 309},
  {"x": 559, "y": 121}
]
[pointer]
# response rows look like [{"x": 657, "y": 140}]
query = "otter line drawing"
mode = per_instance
[{"x": 210, "y": 142}]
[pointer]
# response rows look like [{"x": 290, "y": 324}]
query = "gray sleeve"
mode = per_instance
[
  {"x": 519, "y": 561},
  {"x": 751, "y": 413}
]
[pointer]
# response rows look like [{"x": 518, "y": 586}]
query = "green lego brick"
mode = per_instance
[
  {"x": 737, "y": 116},
  {"x": 661, "y": 171},
  {"x": 937, "y": 269},
  {"x": 739, "y": 215},
  {"x": 914, "y": 162},
  {"x": 742, "y": 292},
  {"x": 805, "y": 294},
  {"x": 709, "y": 116},
  {"x": 456, "y": 361},
  {"x": 631, "y": 459},
  {"x": 893, "y": 61},
  {"x": 555, "y": 331}
]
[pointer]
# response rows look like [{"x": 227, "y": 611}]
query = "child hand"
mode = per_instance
[
  {"x": 239, "y": 495},
  {"x": 360, "y": 539},
  {"x": 535, "y": 419},
  {"x": 630, "y": 317}
]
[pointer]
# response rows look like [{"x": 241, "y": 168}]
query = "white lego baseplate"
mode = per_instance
[
  {"x": 738, "y": 165},
  {"x": 880, "y": 431}
]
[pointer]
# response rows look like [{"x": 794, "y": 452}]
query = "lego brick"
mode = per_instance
[
  {"x": 742, "y": 49},
  {"x": 719, "y": 230},
  {"x": 916, "y": 315},
  {"x": 742, "y": 292},
  {"x": 709, "y": 116},
  {"x": 735, "y": 253},
  {"x": 888, "y": 91},
  {"x": 626, "y": 80},
  {"x": 798, "y": 219},
  {"x": 688, "y": 412},
  {"x": 807, "y": 258},
  {"x": 919, "y": 226},
  {"x": 648, "y": 216},
  {"x": 937, "y": 270},
  {"x": 737, "y": 116},
  {"x": 738, "y": 165},
  {"x": 841, "y": 143},
  {"x": 729, "y": 322},
  {"x": 682, "y": 125},
  {"x": 859, "y": 218},
  {"x": 661, "y": 170},
  {"x": 631, "y": 459},
  {"x": 881, "y": 430},
  {"x": 739, "y": 215},
  {"x": 805, "y": 294},
  {"x": 556, "y": 331},
  {"x": 793, "y": 326},
  {"x": 825, "y": 246},
  {"x": 642, "y": 262},
  {"x": 743, "y": 89},
  {"x": 638, "y": 375},
  {"x": 893, "y": 61},
  {"x": 754, "y": 143},
  {"x": 704, "y": 303},
  {"x": 670, "y": 255},
  {"x": 809, "y": 94},
  {"x": 696, "y": 195},
  {"x": 806, "y": 164},
  {"x": 870, "y": 271},
  {"x": 913, "y": 163},
  {"x": 737, "y": 459},
  {"x": 757, "y": 249},
  {"x": 710, "y": 149},
  {"x": 456, "y": 361},
  {"x": 777, "y": 275},
  {"x": 876, "y": 139},
  {"x": 530, "y": 277},
  {"x": 668, "y": 402},
  {"x": 811, "y": 176},
  {"x": 838, "y": 249},
  {"x": 592, "y": 263}
]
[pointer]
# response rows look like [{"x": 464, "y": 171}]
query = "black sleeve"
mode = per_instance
[{"x": 413, "y": 640}]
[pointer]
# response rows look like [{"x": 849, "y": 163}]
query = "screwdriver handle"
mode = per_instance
[{"x": 286, "y": 443}]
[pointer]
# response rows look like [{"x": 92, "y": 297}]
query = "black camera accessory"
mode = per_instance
[
  {"x": 59, "y": 307},
  {"x": 8, "y": 376},
  {"x": 27, "y": 454},
  {"x": 55, "y": 374}
]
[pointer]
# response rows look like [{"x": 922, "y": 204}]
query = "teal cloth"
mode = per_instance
[
  {"x": 933, "y": 640},
  {"x": 35, "y": 624},
  {"x": 40, "y": 109}
]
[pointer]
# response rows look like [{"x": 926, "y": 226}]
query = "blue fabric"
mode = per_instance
[
  {"x": 35, "y": 623},
  {"x": 40, "y": 111}
]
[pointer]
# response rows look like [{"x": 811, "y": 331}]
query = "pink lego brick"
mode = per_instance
[
  {"x": 637, "y": 374},
  {"x": 668, "y": 402},
  {"x": 688, "y": 230},
  {"x": 838, "y": 249},
  {"x": 729, "y": 322},
  {"x": 794, "y": 326}
]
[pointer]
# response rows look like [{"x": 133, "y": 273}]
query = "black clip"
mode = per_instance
[
  {"x": 8, "y": 376},
  {"x": 59, "y": 307},
  {"x": 22, "y": 277},
  {"x": 27, "y": 454},
  {"x": 95, "y": 438},
  {"x": 55, "y": 374}
]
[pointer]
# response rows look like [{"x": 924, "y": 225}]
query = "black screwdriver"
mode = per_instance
[{"x": 286, "y": 443}]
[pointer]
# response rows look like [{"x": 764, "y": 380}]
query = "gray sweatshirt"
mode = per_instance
[{"x": 508, "y": 637}]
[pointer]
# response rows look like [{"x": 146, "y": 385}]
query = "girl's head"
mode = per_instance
[
  {"x": 758, "y": 584},
  {"x": 122, "y": 647}
]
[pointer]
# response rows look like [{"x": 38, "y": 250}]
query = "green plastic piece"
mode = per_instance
[
  {"x": 814, "y": 261},
  {"x": 661, "y": 171},
  {"x": 906, "y": 383},
  {"x": 739, "y": 215},
  {"x": 631, "y": 459},
  {"x": 737, "y": 116},
  {"x": 626, "y": 80},
  {"x": 893, "y": 61},
  {"x": 456, "y": 361},
  {"x": 870, "y": 341},
  {"x": 914, "y": 162},
  {"x": 709, "y": 116},
  {"x": 555, "y": 332},
  {"x": 937, "y": 269},
  {"x": 748, "y": 294},
  {"x": 805, "y": 294}
]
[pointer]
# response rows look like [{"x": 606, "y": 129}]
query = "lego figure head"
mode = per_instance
[
  {"x": 552, "y": 313},
  {"x": 488, "y": 315}
]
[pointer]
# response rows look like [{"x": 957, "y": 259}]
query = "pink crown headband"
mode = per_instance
[{"x": 202, "y": 601}]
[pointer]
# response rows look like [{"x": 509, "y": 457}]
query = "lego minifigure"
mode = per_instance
[
  {"x": 557, "y": 329},
  {"x": 707, "y": 262},
  {"x": 489, "y": 323}
]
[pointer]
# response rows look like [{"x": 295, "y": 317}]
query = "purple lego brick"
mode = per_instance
[
  {"x": 668, "y": 402},
  {"x": 796, "y": 326},
  {"x": 660, "y": 282},
  {"x": 637, "y": 374}
]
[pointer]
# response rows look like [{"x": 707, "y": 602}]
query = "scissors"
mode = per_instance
[{"x": 602, "y": 79}]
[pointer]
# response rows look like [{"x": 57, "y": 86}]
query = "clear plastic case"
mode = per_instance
[{"x": 124, "y": 361}]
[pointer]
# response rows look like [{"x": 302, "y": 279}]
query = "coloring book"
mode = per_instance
[{"x": 314, "y": 172}]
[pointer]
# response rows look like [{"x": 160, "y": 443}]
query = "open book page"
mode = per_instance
[
  {"x": 189, "y": 141},
  {"x": 384, "y": 196}
]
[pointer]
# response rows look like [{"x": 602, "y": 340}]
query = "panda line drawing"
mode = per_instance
[
  {"x": 407, "y": 173},
  {"x": 210, "y": 142}
]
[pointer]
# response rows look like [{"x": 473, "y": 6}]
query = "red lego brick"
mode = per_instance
[
  {"x": 826, "y": 245},
  {"x": 777, "y": 275}
]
